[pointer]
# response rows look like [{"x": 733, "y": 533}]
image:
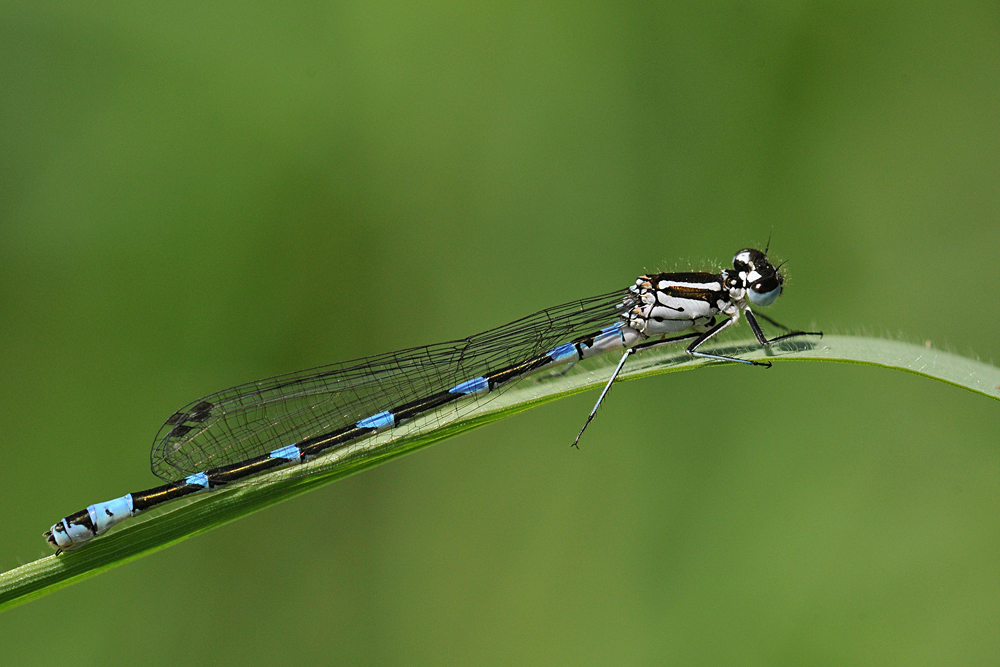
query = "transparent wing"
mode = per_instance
[{"x": 252, "y": 419}]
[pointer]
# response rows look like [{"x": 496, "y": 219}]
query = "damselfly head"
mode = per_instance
[{"x": 762, "y": 280}]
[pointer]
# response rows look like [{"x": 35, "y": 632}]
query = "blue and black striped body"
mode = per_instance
[{"x": 254, "y": 428}]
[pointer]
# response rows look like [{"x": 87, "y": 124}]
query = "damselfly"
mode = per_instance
[{"x": 290, "y": 419}]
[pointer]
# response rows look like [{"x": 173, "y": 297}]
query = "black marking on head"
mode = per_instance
[
  {"x": 767, "y": 284},
  {"x": 754, "y": 259},
  {"x": 751, "y": 259}
]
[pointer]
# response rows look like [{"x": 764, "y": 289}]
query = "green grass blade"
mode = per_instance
[{"x": 177, "y": 522}]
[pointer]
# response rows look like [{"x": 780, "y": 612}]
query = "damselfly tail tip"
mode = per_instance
[{"x": 52, "y": 541}]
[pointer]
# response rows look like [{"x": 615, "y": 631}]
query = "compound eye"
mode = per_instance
[{"x": 764, "y": 293}]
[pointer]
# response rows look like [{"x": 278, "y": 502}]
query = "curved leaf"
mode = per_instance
[{"x": 159, "y": 529}]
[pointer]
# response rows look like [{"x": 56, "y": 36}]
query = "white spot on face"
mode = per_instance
[{"x": 754, "y": 276}]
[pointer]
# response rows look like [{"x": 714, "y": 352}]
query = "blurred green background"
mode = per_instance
[{"x": 193, "y": 196}]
